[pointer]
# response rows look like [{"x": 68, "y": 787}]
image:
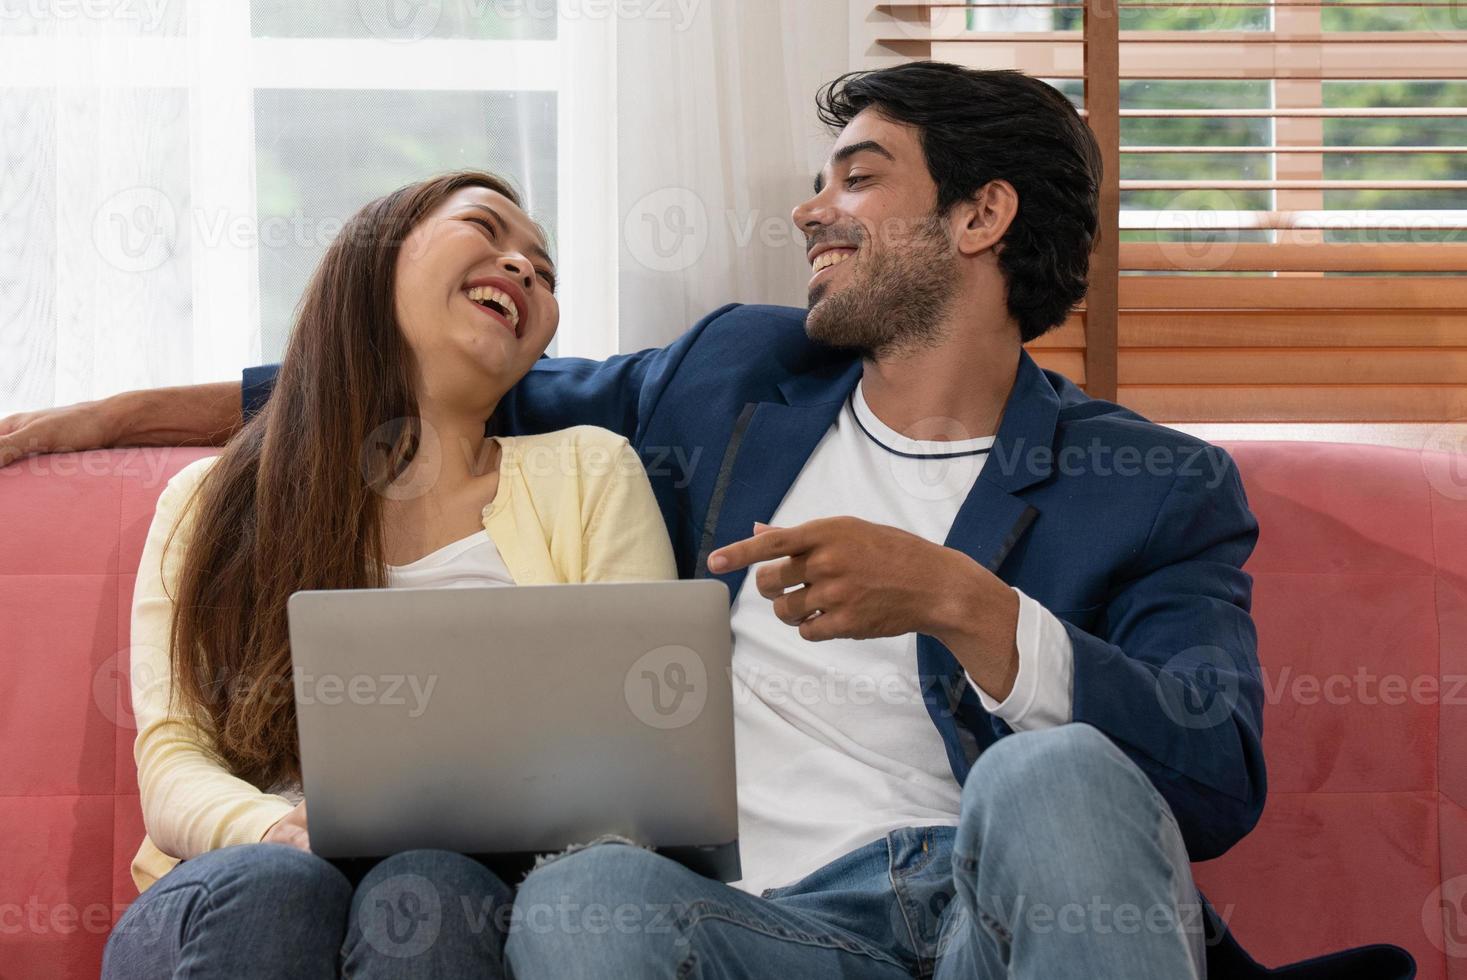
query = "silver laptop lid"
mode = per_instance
[{"x": 515, "y": 719}]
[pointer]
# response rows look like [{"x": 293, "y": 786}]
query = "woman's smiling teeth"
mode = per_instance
[
  {"x": 498, "y": 301},
  {"x": 829, "y": 258}
]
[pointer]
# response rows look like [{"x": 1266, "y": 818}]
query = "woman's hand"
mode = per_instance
[{"x": 290, "y": 829}]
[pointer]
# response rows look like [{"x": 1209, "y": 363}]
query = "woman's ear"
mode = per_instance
[{"x": 987, "y": 216}]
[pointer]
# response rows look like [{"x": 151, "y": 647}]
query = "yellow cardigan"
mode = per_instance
[{"x": 572, "y": 506}]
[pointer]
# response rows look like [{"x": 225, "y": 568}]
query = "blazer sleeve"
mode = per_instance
[
  {"x": 625, "y": 539},
  {"x": 618, "y": 393},
  {"x": 191, "y": 804},
  {"x": 558, "y": 393},
  {"x": 255, "y": 388},
  {"x": 1172, "y": 673}
]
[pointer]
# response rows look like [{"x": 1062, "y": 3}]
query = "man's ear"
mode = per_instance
[{"x": 986, "y": 217}]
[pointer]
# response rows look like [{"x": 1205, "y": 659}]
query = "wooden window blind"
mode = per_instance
[{"x": 1284, "y": 217}]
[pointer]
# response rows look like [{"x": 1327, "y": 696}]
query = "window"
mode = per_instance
[
  {"x": 1291, "y": 202},
  {"x": 174, "y": 168}
]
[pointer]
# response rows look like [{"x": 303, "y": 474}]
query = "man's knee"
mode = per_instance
[
  {"x": 1070, "y": 758},
  {"x": 601, "y": 872},
  {"x": 1049, "y": 780},
  {"x": 578, "y": 913}
]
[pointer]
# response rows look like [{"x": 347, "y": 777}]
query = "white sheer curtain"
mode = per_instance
[
  {"x": 717, "y": 141},
  {"x": 171, "y": 170},
  {"x": 94, "y": 136}
]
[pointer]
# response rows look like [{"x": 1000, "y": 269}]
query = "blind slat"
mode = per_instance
[
  {"x": 1180, "y": 220},
  {"x": 1279, "y": 185},
  {"x": 1321, "y": 296},
  {"x": 1294, "y": 149},
  {"x": 1257, "y": 257}
]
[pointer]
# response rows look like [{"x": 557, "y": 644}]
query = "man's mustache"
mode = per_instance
[{"x": 843, "y": 238}]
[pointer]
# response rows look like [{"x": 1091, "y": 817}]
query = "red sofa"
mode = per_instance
[{"x": 1361, "y": 602}]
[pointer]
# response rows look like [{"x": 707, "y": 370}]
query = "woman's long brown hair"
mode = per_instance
[{"x": 295, "y": 500}]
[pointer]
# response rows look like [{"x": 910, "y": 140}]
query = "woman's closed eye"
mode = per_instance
[
  {"x": 487, "y": 225},
  {"x": 547, "y": 276}
]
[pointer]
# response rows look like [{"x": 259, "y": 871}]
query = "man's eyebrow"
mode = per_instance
[
  {"x": 865, "y": 146},
  {"x": 846, "y": 152},
  {"x": 536, "y": 249}
]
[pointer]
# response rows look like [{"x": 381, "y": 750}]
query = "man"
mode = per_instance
[{"x": 1036, "y": 693}]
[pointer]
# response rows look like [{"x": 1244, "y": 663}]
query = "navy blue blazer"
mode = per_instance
[{"x": 1133, "y": 534}]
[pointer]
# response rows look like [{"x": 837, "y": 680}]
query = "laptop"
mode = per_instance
[{"x": 512, "y": 721}]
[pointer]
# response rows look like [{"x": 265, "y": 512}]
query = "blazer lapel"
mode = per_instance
[
  {"x": 770, "y": 445},
  {"x": 994, "y": 517},
  {"x": 992, "y": 520}
]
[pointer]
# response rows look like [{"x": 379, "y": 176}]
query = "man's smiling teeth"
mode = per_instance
[
  {"x": 832, "y": 257},
  {"x": 484, "y": 295}
]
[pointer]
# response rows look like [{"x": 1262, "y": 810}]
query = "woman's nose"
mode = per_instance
[{"x": 518, "y": 267}]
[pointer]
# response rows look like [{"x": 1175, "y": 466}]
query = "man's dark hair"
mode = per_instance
[{"x": 977, "y": 126}]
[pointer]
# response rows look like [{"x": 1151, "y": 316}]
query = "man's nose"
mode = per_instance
[{"x": 810, "y": 215}]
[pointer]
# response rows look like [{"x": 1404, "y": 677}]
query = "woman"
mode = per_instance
[{"x": 369, "y": 468}]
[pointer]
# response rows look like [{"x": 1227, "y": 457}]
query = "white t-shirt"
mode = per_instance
[
  {"x": 834, "y": 745},
  {"x": 470, "y": 561}
]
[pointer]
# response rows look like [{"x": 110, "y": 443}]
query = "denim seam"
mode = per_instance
[
  {"x": 701, "y": 911},
  {"x": 1172, "y": 880},
  {"x": 967, "y": 864},
  {"x": 996, "y": 926},
  {"x": 902, "y": 902}
]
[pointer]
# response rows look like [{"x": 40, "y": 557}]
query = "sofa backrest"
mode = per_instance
[
  {"x": 1360, "y": 596},
  {"x": 72, "y": 528},
  {"x": 1361, "y": 603}
]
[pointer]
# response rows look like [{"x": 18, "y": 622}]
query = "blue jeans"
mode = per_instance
[
  {"x": 1066, "y": 863},
  {"x": 268, "y": 910}
]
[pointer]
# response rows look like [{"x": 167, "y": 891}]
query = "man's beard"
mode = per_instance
[{"x": 897, "y": 305}]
